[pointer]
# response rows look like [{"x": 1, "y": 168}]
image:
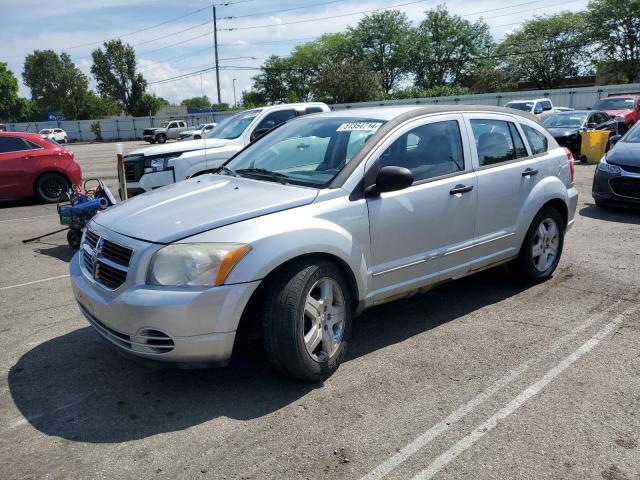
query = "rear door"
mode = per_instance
[
  {"x": 14, "y": 155},
  {"x": 423, "y": 232},
  {"x": 507, "y": 172}
]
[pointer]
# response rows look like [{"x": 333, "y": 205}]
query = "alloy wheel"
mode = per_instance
[
  {"x": 324, "y": 317},
  {"x": 546, "y": 243}
]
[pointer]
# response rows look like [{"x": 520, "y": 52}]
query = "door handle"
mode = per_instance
[
  {"x": 460, "y": 189},
  {"x": 529, "y": 172}
]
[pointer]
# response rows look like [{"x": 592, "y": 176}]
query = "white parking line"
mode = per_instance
[
  {"x": 425, "y": 438},
  {"x": 33, "y": 282},
  {"x": 489, "y": 424}
]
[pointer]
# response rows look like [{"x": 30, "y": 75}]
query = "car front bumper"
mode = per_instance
[
  {"x": 177, "y": 325},
  {"x": 623, "y": 189},
  {"x": 150, "y": 181}
]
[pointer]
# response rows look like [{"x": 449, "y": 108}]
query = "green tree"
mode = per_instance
[
  {"x": 547, "y": 50},
  {"x": 56, "y": 83},
  {"x": 437, "y": 91},
  {"x": 148, "y": 105},
  {"x": 447, "y": 48},
  {"x": 12, "y": 106},
  {"x": 200, "y": 103},
  {"x": 273, "y": 84},
  {"x": 96, "y": 106},
  {"x": 251, "y": 99},
  {"x": 115, "y": 72},
  {"x": 347, "y": 82},
  {"x": 382, "y": 42},
  {"x": 616, "y": 25}
]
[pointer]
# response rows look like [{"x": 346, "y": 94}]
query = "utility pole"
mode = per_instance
[
  {"x": 215, "y": 47},
  {"x": 235, "y": 104}
]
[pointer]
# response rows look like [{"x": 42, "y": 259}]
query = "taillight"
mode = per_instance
[{"x": 572, "y": 164}]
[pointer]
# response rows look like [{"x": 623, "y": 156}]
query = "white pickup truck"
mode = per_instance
[
  {"x": 154, "y": 167},
  {"x": 540, "y": 107}
]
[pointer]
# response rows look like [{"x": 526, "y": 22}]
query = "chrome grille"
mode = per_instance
[{"x": 105, "y": 261}]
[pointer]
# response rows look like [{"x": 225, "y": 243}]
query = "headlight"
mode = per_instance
[
  {"x": 603, "y": 166},
  {"x": 195, "y": 264},
  {"x": 158, "y": 164}
]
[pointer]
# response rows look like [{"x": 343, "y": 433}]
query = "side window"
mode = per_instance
[
  {"x": 276, "y": 118},
  {"x": 12, "y": 144},
  {"x": 537, "y": 141},
  {"x": 429, "y": 150},
  {"x": 313, "y": 110},
  {"x": 521, "y": 150},
  {"x": 172, "y": 125},
  {"x": 32, "y": 145},
  {"x": 182, "y": 124},
  {"x": 495, "y": 142}
]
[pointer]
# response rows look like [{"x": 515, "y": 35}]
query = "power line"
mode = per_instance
[{"x": 282, "y": 10}]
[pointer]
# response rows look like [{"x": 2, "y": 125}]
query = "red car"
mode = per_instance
[
  {"x": 624, "y": 107},
  {"x": 33, "y": 166}
]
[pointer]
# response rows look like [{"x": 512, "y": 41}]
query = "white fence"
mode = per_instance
[
  {"x": 116, "y": 128},
  {"x": 130, "y": 128},
  {"x": 578, "y": 98}
]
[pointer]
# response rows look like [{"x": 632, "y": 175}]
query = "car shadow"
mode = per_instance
[
  {"x": 61, "y": 252},
  {"x": 76, "y": 387},
  {"x": 611, "y": 214}
]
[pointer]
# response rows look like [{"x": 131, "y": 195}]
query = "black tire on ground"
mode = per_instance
[
  {"x": 524, "y": 266},
  {"x": 152, "y": 142},
  {"x": 73, "y": 238},
  {"x": 64, "y": 140},
  {"x": 197, "y": 137},
  {"x": 284, "y": 322},
  {"x": 51, "y": 187},
  {"x": 161, "y": 138}
]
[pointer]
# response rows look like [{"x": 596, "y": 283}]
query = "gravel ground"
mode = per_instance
[{"x": 480, "y": 378}]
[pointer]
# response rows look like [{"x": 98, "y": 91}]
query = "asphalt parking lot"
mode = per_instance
[{"x": 481, "y": 378}]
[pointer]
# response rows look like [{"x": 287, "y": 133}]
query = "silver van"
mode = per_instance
[{"x": 321, "y": 218}]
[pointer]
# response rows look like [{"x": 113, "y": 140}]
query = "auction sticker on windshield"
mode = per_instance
[{"x": 359, "y": 126}]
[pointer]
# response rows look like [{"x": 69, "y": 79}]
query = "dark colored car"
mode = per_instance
[
  {"x": 3, "y": 127},
  {"x": 566, "y": 126},
  {"x": 617, "y": 177},
  {"x": 624, "y": 108},
  {"x": 33, "y": 166}
]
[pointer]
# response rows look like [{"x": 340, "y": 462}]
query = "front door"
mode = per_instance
[
  {"x": 13, "y": 155},
  {"x": 419, "y": 234}
]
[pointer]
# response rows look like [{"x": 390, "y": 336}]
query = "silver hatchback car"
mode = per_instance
[{"x": 323, "y": 217}]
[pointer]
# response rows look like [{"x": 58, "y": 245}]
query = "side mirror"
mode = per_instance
[
  {"x": 613, "y": 140},
  {"x": 259, "y": 133},
  {"x": 537, "y": 110},
  {"x": 390, "y": 179},
  {"x": 591, "y": 125}
]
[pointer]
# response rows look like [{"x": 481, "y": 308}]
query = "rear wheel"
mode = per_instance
[
  {"x": 51, "y": 187},
  {"x": 308, "y": 320},
  {"x": 542, "y": 247},
  {"x": 64, "y": 140},
  {"x": 161, "y": 138}
]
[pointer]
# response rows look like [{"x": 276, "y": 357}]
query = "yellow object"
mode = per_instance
[{"x": 593, "y": 144}]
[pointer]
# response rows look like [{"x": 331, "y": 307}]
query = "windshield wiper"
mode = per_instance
[
  {"x": 227, "y": 170},
  {"x": 263, "y": 172}
]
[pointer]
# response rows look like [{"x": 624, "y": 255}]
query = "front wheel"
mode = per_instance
[
  {"x": 308, "y": 320},
  {"x": 542, "y": 247},
  {"x": 161, "y": 138}
]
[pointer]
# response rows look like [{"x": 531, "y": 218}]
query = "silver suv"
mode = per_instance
[{"x": 323, "y": 217}]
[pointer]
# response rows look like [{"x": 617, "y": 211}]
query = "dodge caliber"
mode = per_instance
[{"x": 325, "y": 216}]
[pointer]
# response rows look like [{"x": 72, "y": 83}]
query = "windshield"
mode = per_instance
[
  {"x": 164, "y": 124},
  {"x": 233, "y": 126},
  {"x": 524, "y": 106},
  {"x": 633, "y": 135},
  {"x": 308, "y": 151},
  {"x": 574, "y": 120},
  {"x": 45, "y": 131},
  {"x": 200, "y": 127},
  {"x": 614, "y": 104}
]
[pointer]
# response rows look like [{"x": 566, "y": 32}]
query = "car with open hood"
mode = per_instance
[
  {"x": 616, "y": 180},
  {"x": 325, "y": 216},
  {"x": 566, "y": 126}
]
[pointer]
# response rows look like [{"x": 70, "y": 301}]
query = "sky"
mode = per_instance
[{"x": 183, "y": 42}]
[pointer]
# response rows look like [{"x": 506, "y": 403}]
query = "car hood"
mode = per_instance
[
  {"x": 618, "y": 113},
  {"x": 180, "y": 147},
  {"x": 202, "y": 203},
  {"x": 562, "y": 132},
  {"x": 625, "y": 154}
]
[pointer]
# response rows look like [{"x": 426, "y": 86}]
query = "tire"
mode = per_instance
[
  {"x": 540, "y": 236},
  {"x": 64, "y": 140},
  {"x": 162, "y": 138},
  {"x": 51, "y": 187},
  {"x": 152, "y": 142},
  {"x": 295, "y": 307},
  {"x": 197, "y": 137},
  {"x": 73, "y": 238}
]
